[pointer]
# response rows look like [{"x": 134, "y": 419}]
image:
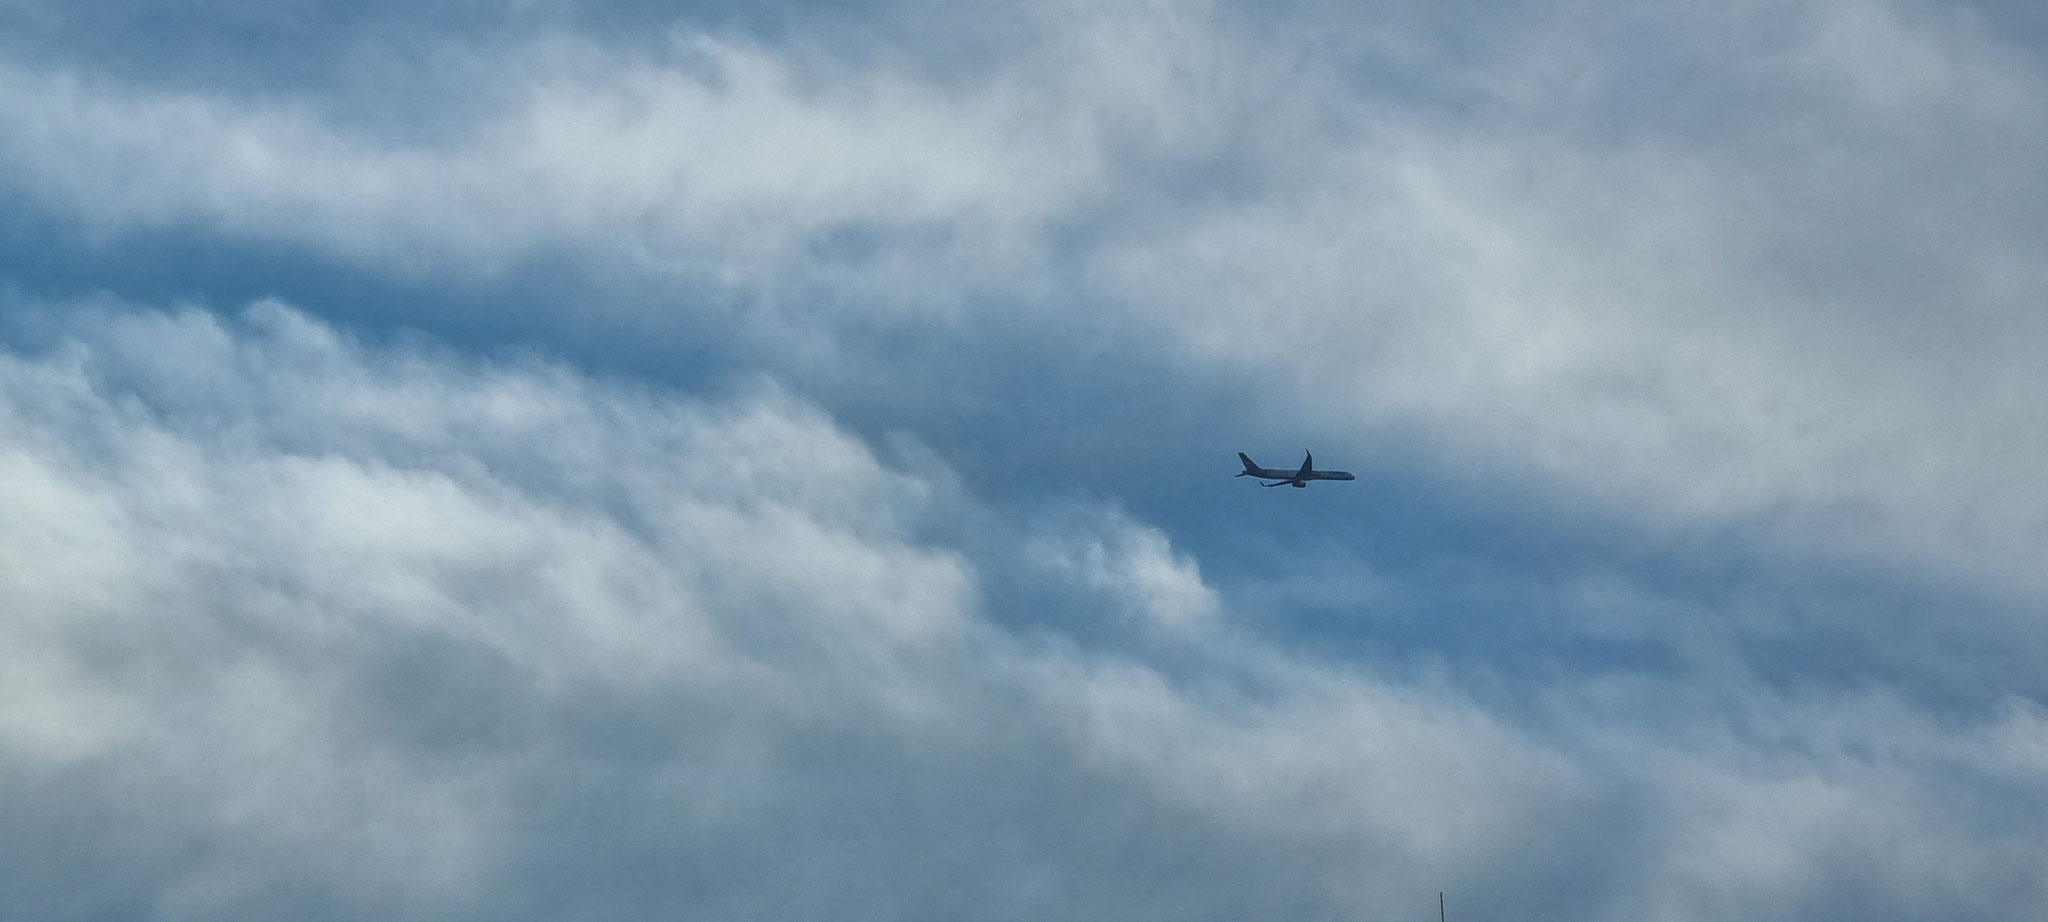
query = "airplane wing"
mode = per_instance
[{"x": 1308, "y": 463}]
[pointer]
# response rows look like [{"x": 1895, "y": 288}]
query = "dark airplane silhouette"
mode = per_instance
[{"x": 1298, "y": 478}]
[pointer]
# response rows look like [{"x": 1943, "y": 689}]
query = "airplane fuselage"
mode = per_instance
[
  {"x": 1298, "y": 477},
  {"x": 1267, "y": 473}
]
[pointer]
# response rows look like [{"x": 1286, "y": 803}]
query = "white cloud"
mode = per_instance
[
  {"x": 1135, "y": 564},
  {"x": 526, "y": 643},
  {"x": 219, "y": 539},
  {"x": 395, "y": 631},
  {"x": 717, "y": 158},
  {"x": 1799, "y": 318},
  {"x": 1802, "y": 310}
]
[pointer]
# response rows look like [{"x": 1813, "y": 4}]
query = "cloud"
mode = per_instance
[
  {"x": 710, "y": 156},
  {"x": 1728, "y": 308},
  {"x": 1756, "y": 308},
  {"x": 1792, "y": 318},
  {"x": 293, "y": 612},
  {"x": 1134, "y": 563},
  {"x": 299, "y": 625}
]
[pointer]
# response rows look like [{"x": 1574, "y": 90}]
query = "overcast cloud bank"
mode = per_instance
[
  {"x": 302, "y": 626},
  {"x": 1696, "y": 312},
  {"x": 1734, "y": 310}
]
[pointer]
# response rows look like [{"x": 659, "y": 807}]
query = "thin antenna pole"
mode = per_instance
[{"x": 1439, "y": 906}]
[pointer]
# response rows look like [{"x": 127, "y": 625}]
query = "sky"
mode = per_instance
[{"x": 515, "y": 459}]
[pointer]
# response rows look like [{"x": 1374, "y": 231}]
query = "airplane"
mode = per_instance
[{"x": 1298, "y": 478}]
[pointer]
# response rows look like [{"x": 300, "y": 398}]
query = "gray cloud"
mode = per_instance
[
  {"x": 301, "y": 626},
  {"x": 1756, "y": 300},
  {"x": 1799, "y": 316}
]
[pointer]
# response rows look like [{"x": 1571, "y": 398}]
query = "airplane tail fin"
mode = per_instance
[{"x": 1249, "y": 467}]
